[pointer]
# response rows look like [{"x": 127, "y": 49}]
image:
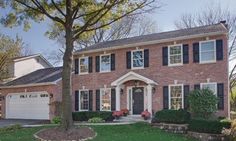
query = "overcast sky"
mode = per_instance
[{"x": 164, "y": 17}]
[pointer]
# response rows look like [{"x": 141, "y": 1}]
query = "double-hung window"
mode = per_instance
[
  {"x": 105, "y": 99},
  {"x": 137, "y": 59},
  {"x": 207, "y": 51},
  {"x": 210, "y": 86},
  {"x": 105, "y": 63},
  {"x": 175, "y": 55},
  {"x": 176, "y": 97},
  {"x": 83, "y": 65},
  {"x": 84, "y": 100}
]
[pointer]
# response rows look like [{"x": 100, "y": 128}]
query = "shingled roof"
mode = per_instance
[
  {"x": 215, "y": 28},
  {"x": 38, "y": 76}
]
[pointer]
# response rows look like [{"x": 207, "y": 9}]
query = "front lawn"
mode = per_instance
[{"x": 135, "y": 132}]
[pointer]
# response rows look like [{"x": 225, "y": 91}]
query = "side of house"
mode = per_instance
[{"x": 152, "y": 72}]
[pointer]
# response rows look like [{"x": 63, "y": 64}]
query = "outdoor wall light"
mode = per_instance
[
  {"x": 121, "y": 91},
  {"x": 153, "y": 90},
  {"x": 51, "y": 95}
]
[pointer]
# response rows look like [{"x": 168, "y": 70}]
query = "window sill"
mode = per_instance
[
  {"x": 83, "y": 73},
  {"x": 175, "y": 65},
  {"x": 208, "y": 62},
  {"x": 104, "y": 71},
  {"x": 138, "y": 68}
]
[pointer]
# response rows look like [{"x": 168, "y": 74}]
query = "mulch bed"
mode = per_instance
[{"x": 58, "y": 134}]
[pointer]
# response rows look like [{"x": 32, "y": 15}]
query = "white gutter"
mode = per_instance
[
  {"x": 28, "y": 85},
  {"x": 151, "y": 42}
]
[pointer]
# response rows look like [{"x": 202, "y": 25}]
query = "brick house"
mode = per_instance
[
  {"x": 152, "y": 72},
  {"x": 148, "y": 72}
]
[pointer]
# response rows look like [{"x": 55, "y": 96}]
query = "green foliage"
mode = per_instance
[
  {"x": 208, "y": 126},
  {"x": 9, "y": 48},
  {"x": 85, "y": 116},
  {"x": 172, "y": 116},
  {"x": 56, "y": 120},
  {"x": 10, "y": 128},
  {"x": 96, "y": 120},
  {"x": 233, "y": 99},
  {"x": 203, "y": 103}
]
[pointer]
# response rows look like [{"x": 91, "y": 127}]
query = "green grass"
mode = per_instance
[{"x": 135, "y": 132}]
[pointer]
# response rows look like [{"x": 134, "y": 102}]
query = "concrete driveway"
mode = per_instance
[{"x": 8, "y": 122}]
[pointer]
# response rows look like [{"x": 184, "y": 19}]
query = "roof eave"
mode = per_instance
[
  {"x": 28, "y": 85},
  {"x": 151, "y": 42}
]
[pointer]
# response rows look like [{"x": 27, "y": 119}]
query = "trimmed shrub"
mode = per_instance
[
  {"x": 56, "y": 120},
  {"x": 85, "y": 116},
  {"x": 96, "y": 120},
  {"x": 172, "y": 116},
  {"x": 208, "y": 126},
  {"x": 202, "y": 103}
]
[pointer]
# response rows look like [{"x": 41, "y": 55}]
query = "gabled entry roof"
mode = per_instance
[{"x": 132, "y": 76}]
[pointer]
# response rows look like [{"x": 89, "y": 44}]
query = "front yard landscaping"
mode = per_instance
[{"x": 137, "y": 132}]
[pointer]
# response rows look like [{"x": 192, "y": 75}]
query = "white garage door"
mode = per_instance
[{"x": 27, "y": 106}]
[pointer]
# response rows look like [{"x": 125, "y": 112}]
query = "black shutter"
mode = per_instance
[
  {"x": 90, "y": 100},
  {"x": 165, "y": 97},
  {"x": 76, "y": 66},
  {"x": 185, "y": 54},
  {"x": 165, "y": 56},
  {"x": 220, "y": 95},
  {"x": 186, "y": 92},
  {"x": 219, "y": 50},
  {"x": 113, "y": 99},
  {"x": 146, "y": 58},
  {"x": 128, "y": 59},
  {"x": 97, "y": 100},
  {"x": 195, "y": 52},
  {"x": 97, "y": 63},
  {"x": 197, "y": 87},
  {"x": 113, "y": 62},
  {"x": 90, "y": 61},
  {"x": 76, "y": 100}
]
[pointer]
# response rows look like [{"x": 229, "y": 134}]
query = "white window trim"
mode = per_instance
[
  {"x": 201, "y": 85},
  {"x": 79, "y": 100},
  {"x": 132, "y": 67},
  {"x": 200, "y": 50},
  {"x": 82, "y": 73},
  {"x": 100, "y": 61},
  {"x": 178, "y": 64},
  {"x": 169, "y": 97},
  {"x": 101, "y": 98}
]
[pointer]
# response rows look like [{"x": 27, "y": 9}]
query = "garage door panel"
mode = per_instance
[{"x": 28, "y": 106}]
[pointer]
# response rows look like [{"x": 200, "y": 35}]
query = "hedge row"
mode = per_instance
[
  {"x": 172, "y": 116},
  {"x": 85, "y": 116},
  {"x": 208, "y": 126}
]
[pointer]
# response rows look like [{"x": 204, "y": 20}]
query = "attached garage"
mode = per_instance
[{"x": 33, "y": 105}]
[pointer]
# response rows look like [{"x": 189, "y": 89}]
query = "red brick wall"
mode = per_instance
[{"x": 187, "y": 74}]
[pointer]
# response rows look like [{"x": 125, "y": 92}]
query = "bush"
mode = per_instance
[
  {"x": 172, "y": 116},
  {"x": 146, "y": 115},
  {"x": 208, "y": 126},
  {"x": 96, "y": 120},
  {"x": 202, "y": 103},
  {"x": 125, "y": 112},
  {"x": 85, "y": 116},
  {"x": 117, "y": 114},
  {"x": 10, "y": 128},
  {"x": 56, "y": 120}
]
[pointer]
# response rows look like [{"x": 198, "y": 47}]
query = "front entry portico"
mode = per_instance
[{"x": 139, "y": 98}]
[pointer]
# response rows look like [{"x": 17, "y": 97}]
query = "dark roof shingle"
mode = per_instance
[
  {"x": 38, "y": 76},
  {"x": 158, "y": 36}
]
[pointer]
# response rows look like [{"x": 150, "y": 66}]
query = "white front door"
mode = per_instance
[{"x": 27, "y": 106}]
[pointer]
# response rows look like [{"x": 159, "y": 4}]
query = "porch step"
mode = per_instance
[{"x": 132, "y": 118}]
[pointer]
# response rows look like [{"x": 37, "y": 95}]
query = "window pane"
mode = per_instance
[
  {"x": 84, "y": 65},
  {"x": 212, "y": 87},
  {"x": 175, "y": 59},
  {"x": 207, "y": 56},
  {"x": 175, "y": 50},
  {"x": 138, "y": 59},
  {"x": 138, "y": 63},
  {"x": 207, "y": 46},
  {"x": 105, "y": 63},
  {"x": 106, "y": 100},
  {"x": 84, "y": 100},
  {"x": 176, "y": 97}
]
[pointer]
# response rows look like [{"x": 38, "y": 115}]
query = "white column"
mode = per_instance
[
  {"x": 149, "y": 98},
  {"x": 117, "y": 98}
]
